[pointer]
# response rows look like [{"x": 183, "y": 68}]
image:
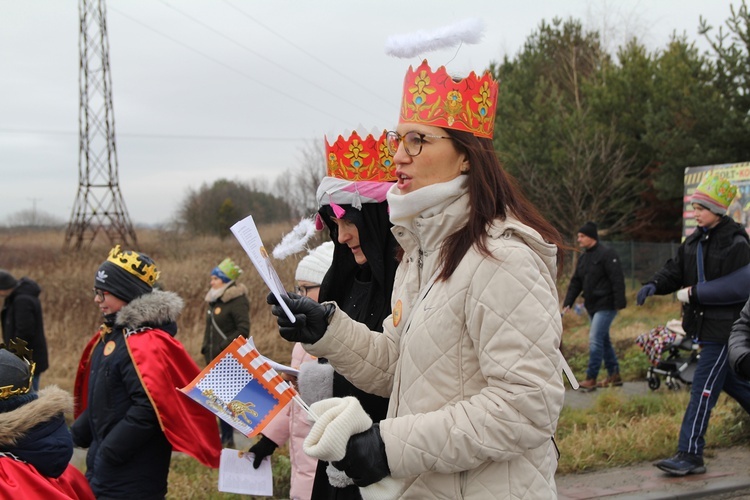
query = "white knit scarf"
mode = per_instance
[
  {"x": 214, "y": 294},
  {"x": 424, "y": 202}
]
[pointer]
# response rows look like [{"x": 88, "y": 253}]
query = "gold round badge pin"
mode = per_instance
[
  {"x": 397, "y": 313},
  {"x": 109, "y": 347},
  {"x": 217, "y": 310}
]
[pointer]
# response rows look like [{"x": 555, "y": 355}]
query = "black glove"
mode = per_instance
[
  {"x": 647, "y": 291},
  {"x": 365, "y": 460},
  {"x": 312, "y": 318},
  {"x": 262, "y": 448}
]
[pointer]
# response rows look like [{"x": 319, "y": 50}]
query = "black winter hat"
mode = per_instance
[
  {"x": 7, "y": 281},
  {"x": 126, "y": 274},
  {"x": 589, "y": 229}
]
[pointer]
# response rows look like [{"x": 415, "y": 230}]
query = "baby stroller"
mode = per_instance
[{"x": 673, "y": 355}]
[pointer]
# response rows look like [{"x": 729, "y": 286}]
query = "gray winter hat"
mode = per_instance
[{"x": 15, "y": 381}]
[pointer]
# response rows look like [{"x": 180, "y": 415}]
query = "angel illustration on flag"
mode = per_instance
[{"x": 242, "y": 388}]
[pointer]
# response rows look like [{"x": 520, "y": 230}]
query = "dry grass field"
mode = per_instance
[
  {"x": 617, "y": 431},
  {"x": 67, "y": 278}
]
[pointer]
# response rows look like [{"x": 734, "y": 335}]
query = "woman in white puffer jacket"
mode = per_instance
[{"x": 470, "y": 355}]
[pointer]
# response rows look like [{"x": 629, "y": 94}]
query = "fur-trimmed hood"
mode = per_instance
[
  {"x": 232, "y": 292},
  {"x": 14, "y": 425},
  {"x": 153, "y": 309}
]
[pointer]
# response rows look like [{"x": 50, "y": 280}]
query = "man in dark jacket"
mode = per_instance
[
  {"x": 718, "y": 247},
  {"x": 21, "y": 318},
  {"x": 599, "y": 276}
]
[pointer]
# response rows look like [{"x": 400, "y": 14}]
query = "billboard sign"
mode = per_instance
[{"x": 737, "y": 173}]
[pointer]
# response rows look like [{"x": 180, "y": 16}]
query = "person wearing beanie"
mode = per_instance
[
  {"x": 227, "y": 317},
  {"x": 291, "y": 425},
  {"x": 598, "y": 275},
  {"x": 21, "y": 318},
  {"x": 718, "y": 247},
  {"x": 35, "y": 443},
  {"x": 128, "y": 411}
]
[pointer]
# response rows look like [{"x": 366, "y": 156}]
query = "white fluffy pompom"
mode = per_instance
[{"x": 412, "y": 44}]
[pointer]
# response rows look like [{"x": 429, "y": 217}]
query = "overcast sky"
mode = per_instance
[{"x": 236, "y": 89}]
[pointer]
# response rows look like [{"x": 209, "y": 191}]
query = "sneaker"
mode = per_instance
[
  {"x": 682, "y": 464},
  {"x": 588, "y": 385},
  {"x": 613, "y": 380}
]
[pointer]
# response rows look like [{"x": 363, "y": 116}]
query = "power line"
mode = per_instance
[
  {"x": 320, "y": 61},
  {"x": 5, "y": 130},
  {"x": 267, "y": 59},
  {"x": 230, "y": 68}
]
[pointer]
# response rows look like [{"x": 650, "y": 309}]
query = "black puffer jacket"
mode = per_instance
[
  {"x": 739, "y": 343},
  {"x": 599, "y": 276},
  {"x": 22, "y": 318},
  {"x": 37, "y": 433},
  {"x": 725, "y": 249},
  {"x": 128, "y": 454}
]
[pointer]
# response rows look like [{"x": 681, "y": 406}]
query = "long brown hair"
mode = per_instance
[{"x": 493, "y": 193}]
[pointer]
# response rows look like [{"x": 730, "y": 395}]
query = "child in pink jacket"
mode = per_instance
[{"x": 291, "y": 424}]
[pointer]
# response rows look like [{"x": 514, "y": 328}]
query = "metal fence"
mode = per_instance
[{"x": 639, "y": 260}]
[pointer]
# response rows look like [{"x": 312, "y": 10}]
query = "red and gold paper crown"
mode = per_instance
[
  {"x": 436, "y": 99},
  {"x": 357, "y": 159}
]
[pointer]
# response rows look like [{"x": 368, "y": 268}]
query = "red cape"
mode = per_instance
[
  {"x": 22, "y": 480},
  {"x": 163, "y": 366}
]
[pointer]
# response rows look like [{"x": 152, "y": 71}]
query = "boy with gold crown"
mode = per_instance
[
  {"x": 717, "y": 248},
  {"x": 128, "y": 411}
]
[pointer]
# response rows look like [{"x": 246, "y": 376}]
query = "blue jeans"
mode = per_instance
[
  {"x": 600, "y": 346},
  {"x": 712, "y": 375}
]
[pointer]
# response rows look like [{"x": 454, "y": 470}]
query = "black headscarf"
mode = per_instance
[{"x": 379, "y": 246}]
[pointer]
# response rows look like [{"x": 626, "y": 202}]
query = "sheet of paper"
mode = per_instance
[
  {"x": 276, "y": 366},
  {"x": 248, "y": 236},
  {"x": 236, "y": 474}
]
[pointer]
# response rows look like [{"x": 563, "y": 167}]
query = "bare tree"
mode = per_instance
[
  {"x": 299, "y": 184},
  {"x": 598, "y": 181},
  {"x": 34, "y": 218}
]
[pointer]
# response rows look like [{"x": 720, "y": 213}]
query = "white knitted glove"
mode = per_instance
[
  {"x": 338, "y": 420},
  {"x": 683, "y": 295}
]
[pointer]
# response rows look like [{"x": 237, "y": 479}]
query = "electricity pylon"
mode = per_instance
[{"x": 99, "y": 206}]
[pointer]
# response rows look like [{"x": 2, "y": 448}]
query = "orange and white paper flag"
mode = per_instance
[{"x": 242, "y": 388}]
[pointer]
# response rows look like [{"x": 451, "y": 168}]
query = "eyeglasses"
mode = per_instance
[
  {"x": 413, "y": 141},
  {"x": 99, "y": 294},
  {"x": 304, "y": 289}
]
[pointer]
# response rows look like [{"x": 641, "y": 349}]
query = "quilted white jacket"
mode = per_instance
[{"x": 475, "y": 381}]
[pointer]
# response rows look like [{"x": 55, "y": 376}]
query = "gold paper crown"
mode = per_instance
[
  {"x": 355, "y": 159},
  {"x": 436, "y": 99},
  {"x": 19, "y": 347},
  {"x": 135, "y": 264}
]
